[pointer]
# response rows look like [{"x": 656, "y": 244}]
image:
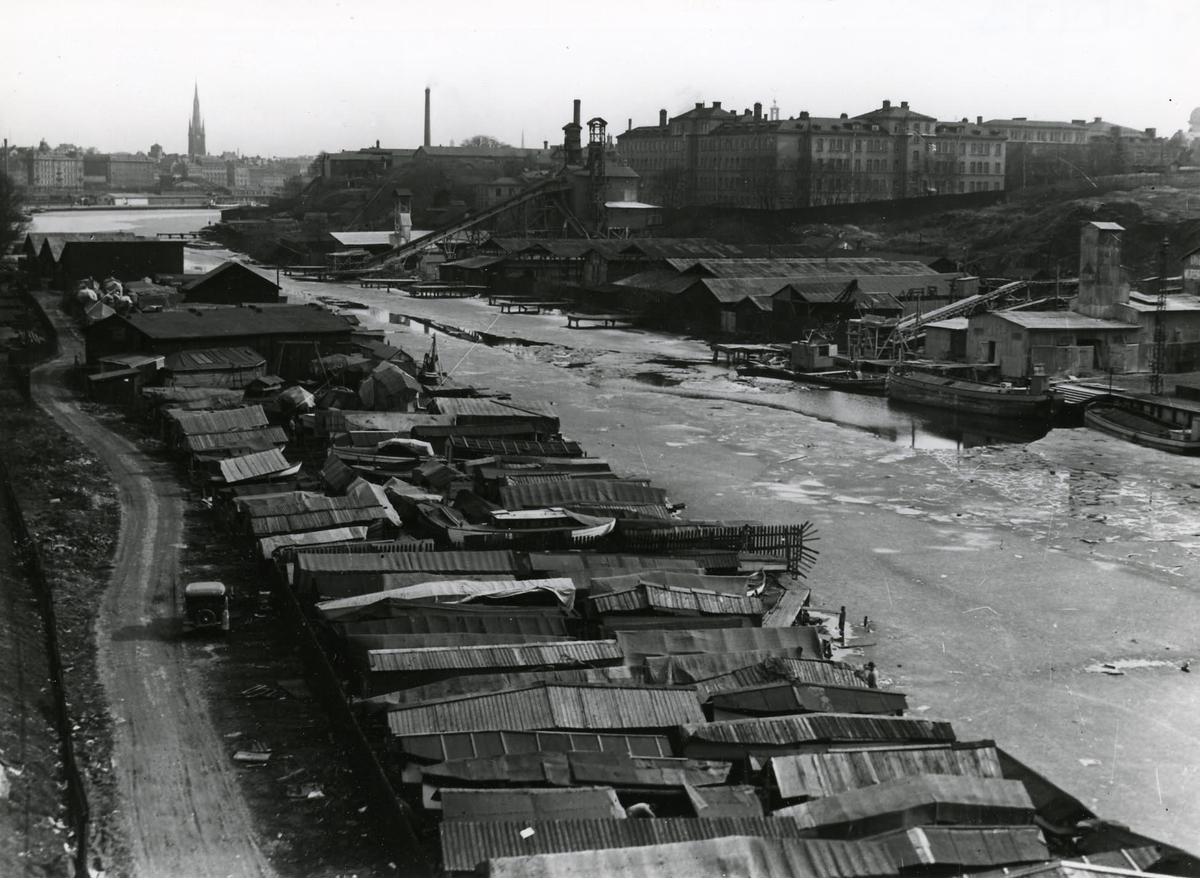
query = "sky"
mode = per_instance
[{"x": 295, "y": 77}]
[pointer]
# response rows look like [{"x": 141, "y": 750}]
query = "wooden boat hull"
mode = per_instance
[
  {"x": 1140, "y": 429},
  {"x": 847, "y": 381},
  {"x": 960, "y": 395}
]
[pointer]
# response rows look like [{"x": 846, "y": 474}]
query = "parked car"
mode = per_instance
[{"x": 206, "y": 605}]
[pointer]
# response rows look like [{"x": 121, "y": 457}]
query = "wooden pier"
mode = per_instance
[
  {"x": 576, "y": 321},
  {"x": 387, "y": 283},
  {"x": 445, "y": 291}
]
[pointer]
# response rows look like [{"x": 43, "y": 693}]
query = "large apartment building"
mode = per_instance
[
  {"x": 710, "y": 155},
  {"x": 1045, "y": 151}
]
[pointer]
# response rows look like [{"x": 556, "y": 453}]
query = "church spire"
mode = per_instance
[{"x": 196, "y": 126}]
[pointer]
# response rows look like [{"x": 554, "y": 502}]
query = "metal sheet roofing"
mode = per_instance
[
  {"x": 797, "y": 269},
  {"x": 731, "y": 585},
  {"x": 605, "y": 564},
  {"x": 817, "y": 775},
  {"x": 563, "y": 769},
  {"x": 476, "y": 683},
  {"x": 639, "y": 644},
  {"x": 210, "y": 359},
  {"x": 223, "y": 421},
  {"x": 806, "y": 728},
  {"x": 462, "y": 619},
  {"x": 769, "y": 669},
  {"x": 528, "y": 805},
  {"x": 663, "y": 598},
  {"x": 1058, "y": 321},
  {"x": 739, "y": 800},
  {"x": 231, "y": 267},
  {"x": 263, "y": 436},
  {"x": 748, "y": 847},
  {"x": 372, "y": 646},
  {"x": 253, "y": 466},
  {"x": 269, "y": 545},
  {"x": 362, "y": 239},
  {"x": 259, "y": 320},
  {"x": 916, "y": 801},
  {"x": 569, "y": 653},
  {"x": 317, "y": 519},
  {"x": 406, "y": 562},
  {"x": 466, "y": 407},
  {"x": 965, "y": 846},
  {"x": 465, "y": 745},
  {"x": 560, "y": 589},
  {"x": 552, "y": 706},
  {"x": 543, "y": 494},
  {"x": 787, "y": 696}
]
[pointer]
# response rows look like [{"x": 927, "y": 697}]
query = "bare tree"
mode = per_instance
[{"x": 483, "y": 141}]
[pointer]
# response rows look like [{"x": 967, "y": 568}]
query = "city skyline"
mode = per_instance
[{"x": 278, "y": 79}]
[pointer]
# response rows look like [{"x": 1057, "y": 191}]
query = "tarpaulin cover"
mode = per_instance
[{"x": 453, "y": 591}]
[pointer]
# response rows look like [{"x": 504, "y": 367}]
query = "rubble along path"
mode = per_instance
[{"x": 181, "y": 811}]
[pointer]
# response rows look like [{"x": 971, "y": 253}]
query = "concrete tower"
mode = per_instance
[{"x": 196, "y": 127}]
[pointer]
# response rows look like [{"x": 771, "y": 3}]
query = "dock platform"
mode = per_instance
[
  {"x": 445, "y": 291},
  {"x": 386, "y": 283},
  {"x": 576, "y": 321}
]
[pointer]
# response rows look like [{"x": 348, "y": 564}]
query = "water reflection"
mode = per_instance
[{"x": 914, "y": 426}]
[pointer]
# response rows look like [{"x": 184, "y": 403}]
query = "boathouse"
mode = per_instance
[
  {"x": 231, "y": 283},
  {"x": 60, "y": 259},
  {"x": 289, "y": 336}
]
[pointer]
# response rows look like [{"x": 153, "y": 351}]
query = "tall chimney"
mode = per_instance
[
  {"x": 757, "y": 110},
  {"x": 576, "y": 118},
  {"x": 887, "y": 105},
  {"x": 978, "y": 120},
  {"x": 427, "y": 116},
  {"x": 629, "y": 125},
  {"x": 662, "y": 118}
]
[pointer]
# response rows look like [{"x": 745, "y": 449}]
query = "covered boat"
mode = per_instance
[
  {"x": 964, "y": 395},
  {"x": 512, "y": 524},
  {"x": 1170, "y": 425}
]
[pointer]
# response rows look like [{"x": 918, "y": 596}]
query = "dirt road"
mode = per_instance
[{"x": 181, "y": 812}]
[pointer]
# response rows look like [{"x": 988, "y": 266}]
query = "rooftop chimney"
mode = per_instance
[
  {"x": 1151, "y": 132},
  {"x": 717, "y": 106},
  {"x": 804, "y": 114},
  {"x": 1098, "y": 119},
  {"x": 887, "y": 105},
  {"x": 844, "y": 116},
  {"x": 545, "y": 145},
  {"x": 427, "y": 117},
  {"x": 662, "y": 118},
  {"x": 699, "y": 105},
  {"x": 1077, "y": 122},
  {"x": 978, "y": 120},
  {"x": 757, "y": 110},
  {"x": 629, "y": 125},
  {"x": 904, "y": 105}
]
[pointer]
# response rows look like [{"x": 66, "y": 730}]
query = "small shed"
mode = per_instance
[
  {"x": 215, "y": 367},
  {"x": 231, "y": 283},
  {"x": 946, "y": 339},
  {"x": 117, "y": 387}
]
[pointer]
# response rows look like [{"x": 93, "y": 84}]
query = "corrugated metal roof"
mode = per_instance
[
  {"x": 731, "y": 585},
  {"x": 191, "y": 394},
  {"x": 367, "y": 646},
  {"x": 463, "y": 619},
  {"x": 965, "y": 846},
  {"x": 208, "y": 359},
  {"x": 259, "y": 320},
  {"x": 639, "y": 644},
  {"x": 269, "y": 545},
  {"x": 466, "y": 407},
  {"x": 696, "y": 667},
  {"x": 265, "y": 437},
  {"x": 817, "y": 775},
  {"x": 916, "y": 801},
  {"x": 222, "y": 421},
  {"x": 725, "y": 801},
  {"x": 474, "y": 683},
  {"x": 231, "y": 267},
  {"x": 599, "y": 564},
  {"x": 309, "y": 565},
  {"x": 542, "y": 494},
  {"x": 784, "y": 730},
  {"x": 648, "y": 596},
  {"x": 317, "y": 519},
  {"x": 528, "y": 805},
  {"x": 552, "y": 706},
  {"x": 786, "y": 696},
  {"x": 563, "y": 769},
  {"x": 464, "y": 745},
  {"x": 253, "y": 466},
  {"x": 1060, "y": 321},
  {"x": 770, "y": 668},
  {"x": 798, "y": 269},
  {"x": 570, "y": 653},
  {"x": 560, "y": 589},
  {"x": 662, "y": 848}
]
